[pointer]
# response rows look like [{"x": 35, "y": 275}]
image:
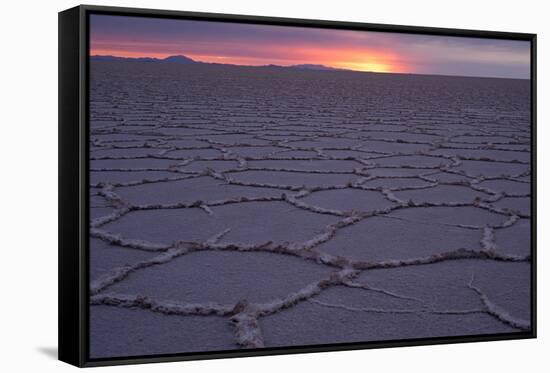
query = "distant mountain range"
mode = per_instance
[
  {"x": 310, "y": 66},
  {"x": 183, "y": 60},
  {"x": 174, "y": 59}
]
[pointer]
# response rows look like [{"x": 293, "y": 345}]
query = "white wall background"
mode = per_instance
[{"x": 28, "y": 184}]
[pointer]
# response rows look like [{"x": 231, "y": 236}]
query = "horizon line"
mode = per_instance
[{"x": 327, "y": 67}]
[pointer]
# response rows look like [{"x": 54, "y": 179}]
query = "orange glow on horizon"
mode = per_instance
[{"x": 344, "y": 58}]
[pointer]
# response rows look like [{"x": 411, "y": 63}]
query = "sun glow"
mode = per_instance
[
  {"x": 377, "y": 67},
  {"x": 372, "y": 60}
]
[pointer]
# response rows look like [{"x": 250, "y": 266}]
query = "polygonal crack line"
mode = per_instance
[
  {"x": 494, "y": 196},
  {"x": 487, "y": 242},
  {"x": 327, "y": 233},
  {"x": 488, "y": 308},
  {"x": 303, "y": 250},
  {"x": 302, "y": 137},
  {"x": 498, "y": 312},
  {"x": 318, "y": 158},
  {"x": 512, "y": 219},
  {"x": 381, "y": 155},
  {"x": 108, "y": 193},
  {"x": 244, "y": 316}
]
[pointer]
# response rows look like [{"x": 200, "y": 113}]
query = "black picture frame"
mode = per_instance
[{"x": 73, "y": 183}]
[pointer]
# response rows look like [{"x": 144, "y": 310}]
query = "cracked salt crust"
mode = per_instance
[{"x": 230, "y": 209}]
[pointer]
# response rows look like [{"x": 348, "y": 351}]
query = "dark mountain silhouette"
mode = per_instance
[
  {"x": 184, "y": 60},
  {"x": 173, "y": 59},
  {"x": 115, "y": 58},
  {"x": 311, "y": 66},
  {"x": 179, "y": 59}
]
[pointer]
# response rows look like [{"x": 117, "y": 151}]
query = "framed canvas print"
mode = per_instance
[{"x": 237, "y": 186}]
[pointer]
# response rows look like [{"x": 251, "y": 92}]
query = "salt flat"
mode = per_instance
[{"x": 248, "y": 207}]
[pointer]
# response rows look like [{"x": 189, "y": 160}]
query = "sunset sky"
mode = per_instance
[{"x": 246, "y": 44}]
